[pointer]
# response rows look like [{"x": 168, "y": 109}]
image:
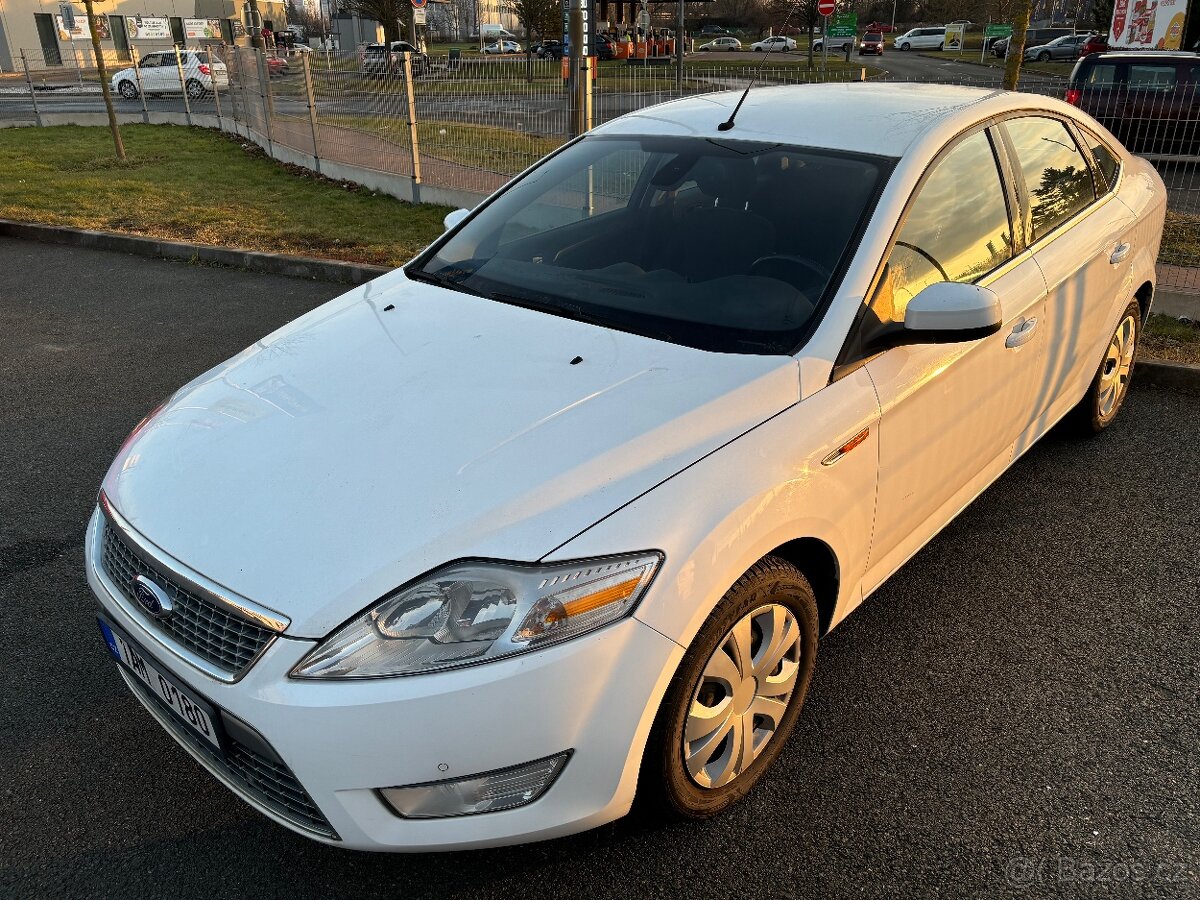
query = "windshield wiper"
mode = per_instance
[{"x": 442, "y": 281}]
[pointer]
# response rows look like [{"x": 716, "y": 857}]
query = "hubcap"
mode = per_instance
[
  {"x": 1118, "y": 362},
  {"x": 742, "y": 695}
]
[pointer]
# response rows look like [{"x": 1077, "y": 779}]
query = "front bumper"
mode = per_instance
[{"x": 343, "y": 740}]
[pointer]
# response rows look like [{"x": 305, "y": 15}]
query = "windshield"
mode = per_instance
[
  {"x": 722, "y": 245},
  {"x": 874, "y": 38}
]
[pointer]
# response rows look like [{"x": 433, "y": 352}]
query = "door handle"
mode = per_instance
[
  {"x": 1119, "y": 253},
  {"x": 1022, "y": 334}
]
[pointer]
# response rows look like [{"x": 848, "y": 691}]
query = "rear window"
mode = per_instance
[
  {"x": 1100, "y": 75},
  {"x": 1150, "y": 77}
]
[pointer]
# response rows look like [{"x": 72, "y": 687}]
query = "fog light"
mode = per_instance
[{"x": 489, "y": 792}]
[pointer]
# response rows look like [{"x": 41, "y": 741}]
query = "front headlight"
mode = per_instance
[{"x": 473, "y": 612}]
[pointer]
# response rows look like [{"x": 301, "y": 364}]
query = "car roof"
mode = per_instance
[
  {"x": 1145, "y": 54},
  {"x": 830, "y": 115}
]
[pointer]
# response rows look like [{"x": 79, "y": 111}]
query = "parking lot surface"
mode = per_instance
[{"x": 1016, "y": 713}]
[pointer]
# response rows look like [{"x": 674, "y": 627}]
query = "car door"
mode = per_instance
[
  {"x": 1077, "y": 236},
  {"x": 950, "y": 412}
]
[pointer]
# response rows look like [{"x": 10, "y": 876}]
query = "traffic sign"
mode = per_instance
[
  {"x": 843, "y": 25},
  {"x": 826, "y": 7},
  {"x": 419, "y": 4},
  {"x": 997, "y": 31}
]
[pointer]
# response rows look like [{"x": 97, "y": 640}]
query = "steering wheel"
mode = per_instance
[{"x": 820, "y": 273}]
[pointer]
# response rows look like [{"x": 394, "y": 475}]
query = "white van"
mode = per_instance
[{"x": 921, "y": 39}]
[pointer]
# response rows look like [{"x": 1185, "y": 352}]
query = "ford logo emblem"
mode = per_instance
[{"x": 151, "y": 597}]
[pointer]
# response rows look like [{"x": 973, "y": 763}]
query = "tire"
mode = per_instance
[
  {"x": 1043, "y": 57},
  {"x": 772, "y": 593},
  {"x": 1099, "y": 407},
  {"x": 906, "y": 46},
  {"x": 195, "y": 89},
  {"x": 758, "y": 49},
  {"x": 941, "y": 46},
  {"x": 127, "y": 89}
]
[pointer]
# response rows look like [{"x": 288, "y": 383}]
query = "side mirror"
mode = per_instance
[
  {"x": 949, "y": 312},
  {"x": 453, "y": 218}
]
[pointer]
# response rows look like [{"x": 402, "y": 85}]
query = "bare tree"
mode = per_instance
[
  {"x": 102, "y": 71},
  {"x": 1016, "y": 44},
  {"x": 386, "y": 12},
  {"x": 540, "y": 18}
]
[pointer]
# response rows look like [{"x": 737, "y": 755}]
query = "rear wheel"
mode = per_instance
[
  {"x": 1100, "y": 405},
  {"x": 736, "y": 696},
  {"x": 195, "y": 89}
]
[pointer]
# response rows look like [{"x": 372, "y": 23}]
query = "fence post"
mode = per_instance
[
  {"x": 137, "y": 73},
  {"x": 412, "y": 126},
  {"x": 264, "y": 93},
  {"x": 312, "y": 111},
  {"x": 78, "y": 65},
  {"x": 213, "y": 59},
  {"x": 37, "y": 113},
  {"x": 187, "y": 104}
]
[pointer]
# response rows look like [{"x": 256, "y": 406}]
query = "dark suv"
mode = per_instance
[
  {"x": 384, "y": 59},
  {"x": 1149, "y": 99},
  {"x": 1034, "y": 37}
]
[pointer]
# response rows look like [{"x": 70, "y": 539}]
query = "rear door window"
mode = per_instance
[
  {"x": 1057, "y": 178},
  {"x": 1101, "y": 75}
]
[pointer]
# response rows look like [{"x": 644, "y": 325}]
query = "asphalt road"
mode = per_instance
[{"x": 1015, "y": 714}]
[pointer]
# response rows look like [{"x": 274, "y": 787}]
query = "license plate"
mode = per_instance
[{"x": 188, "y": 709}]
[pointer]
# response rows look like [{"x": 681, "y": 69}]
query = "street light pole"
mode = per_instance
[{"x": 894, "y": 2}]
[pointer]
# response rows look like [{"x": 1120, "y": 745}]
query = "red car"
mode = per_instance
[
  {"x": 277, "y": 66},
  {"x": 872, "y": 44},
  {"x": 880, "y": 28},
  {"x": 1097, "y": 43}
]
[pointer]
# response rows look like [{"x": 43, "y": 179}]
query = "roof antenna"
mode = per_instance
[{"x": 728, "y": 124}]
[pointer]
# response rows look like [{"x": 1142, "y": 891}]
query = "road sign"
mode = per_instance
[
  {"x": 419, "y": 15},
  {"x": 419, "y": 4},
  {"x": 997, "y": 31},
  {"x": 844, "y": 25},
  {"x": 826, "y": 7},
  {"x": 67, "y": 11}
]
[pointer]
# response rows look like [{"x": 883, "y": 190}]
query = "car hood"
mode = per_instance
[{"x": 403, "y": 426}]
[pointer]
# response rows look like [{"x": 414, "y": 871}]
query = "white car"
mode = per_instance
[
  {"x": 158, "y": 73},
  {"x": 921, "y": 39},
  {"x": 775, "y": 44},
  {"x": 836, "y": 44},
  {"x": 503, "y": 47},
  {"x": 472, "y": 553},
  {"x": 722, "y": 43}
]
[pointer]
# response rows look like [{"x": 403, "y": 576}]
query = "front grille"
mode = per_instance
[
  {"x": 269, "y": 784},
  {"x": 210, "y": 631}
]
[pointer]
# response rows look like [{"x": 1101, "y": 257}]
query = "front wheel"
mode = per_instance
[
  {"x": 1043, "y": 56},
  {"x": 128, "y": 90},
  {"x": 906, "y": 46},
  {"x": 736, "y": 696},
  {"x": 1100, "y": 405}
]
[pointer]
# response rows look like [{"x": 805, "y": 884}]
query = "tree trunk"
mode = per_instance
[
  {"x": 102, "y": 71},
  {"x": 811, "y": 32},
  {"x": 1016, "y": 45},
  {"x": 391, "y": 30}
]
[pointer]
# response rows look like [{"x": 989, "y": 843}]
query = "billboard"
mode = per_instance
[
  {"x": 148, "y": 28},
  {"x": 202, "y": 29},
  {"x": 1147, "y": 24},
  {"x": 78, "y": 31}
]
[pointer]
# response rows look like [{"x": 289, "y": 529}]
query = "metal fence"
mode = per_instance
[{"x": 468, "y": 123}]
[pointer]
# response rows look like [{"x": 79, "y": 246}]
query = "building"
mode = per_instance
[{"x": 38, "y": 27}]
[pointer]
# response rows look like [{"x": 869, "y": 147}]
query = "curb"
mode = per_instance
[
  {"x": 269, "y": 263},
  {"x": 1169, "y": 376}
]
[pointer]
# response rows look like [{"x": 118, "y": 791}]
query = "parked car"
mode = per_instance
[
  {"x": 158, "y": 73},
  {"x": 836, "y": 44},
  {"x": 776, "y": 44},
  {"x": 548, "y": 49},
  {"x": 880, "y": 28},
  {"x": 1033, "y": 37},
  {"x": 388, "y": 59},
  {"x": 872, "y": 44},
  {"x": 277, "y": 66},
  {"x": 472, "y": 553},
  {"x": 921, "y": 39},
  {"x": 503, "y": 47},
  {"x": 966, "y": 23},
  {"x": 1149, "y": 99},
  {"x": 1065, "y": 47},
  {"x": 722, "y": 43},
  {"x": 1096, "y": 43},
  {"x": 604, "y": 48}
]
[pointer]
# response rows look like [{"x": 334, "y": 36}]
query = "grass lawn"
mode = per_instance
[
  {"x": 1169, "y": 339},
  {"x": 1181, "y": 240},
  {"x": 191, "y": 184}
]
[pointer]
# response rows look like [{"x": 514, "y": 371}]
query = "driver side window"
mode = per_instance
[{"x": 957, "y": 229}]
